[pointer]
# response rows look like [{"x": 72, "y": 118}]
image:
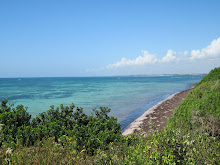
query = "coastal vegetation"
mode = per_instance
[{"x": 66, "y": 135}]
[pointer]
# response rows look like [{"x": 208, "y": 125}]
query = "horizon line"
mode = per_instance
[{"x": 132, "y": 75}]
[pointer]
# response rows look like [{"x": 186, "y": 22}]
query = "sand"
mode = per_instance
[{"x": 157, "y": 115}]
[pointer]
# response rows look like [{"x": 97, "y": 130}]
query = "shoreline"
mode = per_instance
[{"x": 156, "y": 115}]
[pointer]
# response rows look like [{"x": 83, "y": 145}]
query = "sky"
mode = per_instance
[{"x": 74, "y": 38}]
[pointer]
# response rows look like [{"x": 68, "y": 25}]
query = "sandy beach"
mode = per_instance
[{"x": 157, "y": 115}]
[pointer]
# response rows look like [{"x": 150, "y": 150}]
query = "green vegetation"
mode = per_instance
[
  {"x": 65, "y": 136},
  {"x": 212, "y": 76},
  {"x": 87, "y": 132}
]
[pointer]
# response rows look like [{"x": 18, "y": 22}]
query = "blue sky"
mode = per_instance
[{"x": 44, "y": 38}]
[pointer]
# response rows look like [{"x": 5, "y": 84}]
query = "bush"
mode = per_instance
[
  {"x": 89, "y": 132},
  {"x": 13, "y": 120},
  {"x": 213, "y": 75}
]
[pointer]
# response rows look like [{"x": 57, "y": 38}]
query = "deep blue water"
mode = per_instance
[{"x": 128, "y": 97}]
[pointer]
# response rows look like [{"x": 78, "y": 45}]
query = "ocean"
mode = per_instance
[{"x": 128, "y": 97}]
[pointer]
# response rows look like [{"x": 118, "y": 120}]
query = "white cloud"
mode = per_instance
[
  {"x": 147, "y": 58},
  {"x": 170, "y": 56},
  {"x": 210, "y": 52},
  {"x": 185, "y": 53}
]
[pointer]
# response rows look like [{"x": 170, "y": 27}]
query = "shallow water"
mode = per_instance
[{"x": 128, "y": 97}]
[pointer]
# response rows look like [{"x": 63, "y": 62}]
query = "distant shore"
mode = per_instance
[
  {"x": 162, "y": 75},
  {"x": 156, "y": 115}
]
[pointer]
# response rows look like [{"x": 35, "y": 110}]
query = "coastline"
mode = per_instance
[{"x": 156, "y": 115}]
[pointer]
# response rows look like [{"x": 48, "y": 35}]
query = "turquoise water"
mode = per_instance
[{"x": 128, "y": 97}]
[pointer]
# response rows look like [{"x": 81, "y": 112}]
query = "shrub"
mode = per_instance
[{"x": 89, "y": 132}]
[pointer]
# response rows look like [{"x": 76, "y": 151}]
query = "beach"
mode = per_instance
[{"x": 156, "y": 115}]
